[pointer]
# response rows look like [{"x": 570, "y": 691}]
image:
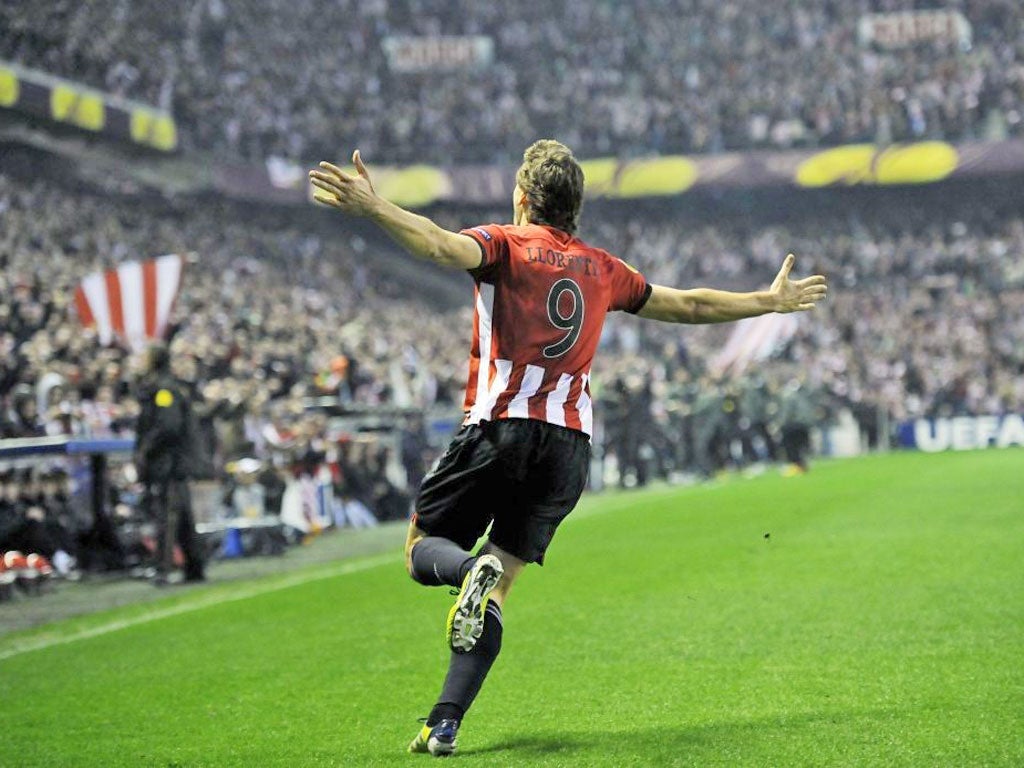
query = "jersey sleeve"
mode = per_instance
[
  {"x": 493, "y": 247},
  {"x": 630, "y": 289}
]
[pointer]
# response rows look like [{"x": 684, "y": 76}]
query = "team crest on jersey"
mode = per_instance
[{"x": 483, "y": 233}]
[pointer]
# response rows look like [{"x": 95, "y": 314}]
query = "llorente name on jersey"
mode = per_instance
[{"x": 551, "y": 257}]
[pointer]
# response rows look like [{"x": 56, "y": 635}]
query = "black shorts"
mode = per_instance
[{"x": 523, "y": 475}]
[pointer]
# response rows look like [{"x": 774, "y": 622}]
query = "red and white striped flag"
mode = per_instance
[
  {"x": 132, "y": 301},
  {"x": 754, "y": 338}
]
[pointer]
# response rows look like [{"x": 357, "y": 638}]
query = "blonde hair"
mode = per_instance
[{"x": 553, "y": 183}]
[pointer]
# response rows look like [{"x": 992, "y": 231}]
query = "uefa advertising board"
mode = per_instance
[{"x": 962, "y": 433}]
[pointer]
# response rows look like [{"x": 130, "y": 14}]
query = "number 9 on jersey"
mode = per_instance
[{"x": 572, "y": 322}]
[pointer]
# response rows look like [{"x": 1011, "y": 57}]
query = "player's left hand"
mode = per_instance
[
  {"x": 335, "y": 188},
  {"x": 796, "y": 295}
]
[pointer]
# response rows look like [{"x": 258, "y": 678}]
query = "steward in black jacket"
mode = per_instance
[{"x": 164, "y": 454}]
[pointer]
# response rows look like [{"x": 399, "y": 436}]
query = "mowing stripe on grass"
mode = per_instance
[
  {"x": 207, "y": 601},
  {"x": 258, "y": 589}
]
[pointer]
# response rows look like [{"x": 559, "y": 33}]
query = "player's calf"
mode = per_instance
[{"x": 435, "y": 561}]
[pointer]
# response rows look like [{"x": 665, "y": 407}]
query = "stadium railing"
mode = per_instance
[{"x": 28, "y": 451}]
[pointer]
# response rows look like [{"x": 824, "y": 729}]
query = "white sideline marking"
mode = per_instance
[
  {"x": 210, "y": 601},
  {"x": 244, "y": 593}
]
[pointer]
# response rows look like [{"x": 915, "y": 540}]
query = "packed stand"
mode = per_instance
[
  {"x": 307, "y": 79},
  {"x": 269, "y": 315},
  {"x": 266, "y": 317},
  {"x": 925, "y": 319}
]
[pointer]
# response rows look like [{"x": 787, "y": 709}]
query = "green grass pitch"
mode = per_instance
[{"x": 869, "y": 613}]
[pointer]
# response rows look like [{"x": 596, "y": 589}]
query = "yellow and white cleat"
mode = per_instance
[
  {"x": 439, "y": 740},
  {"x": 466, "y": 618}
]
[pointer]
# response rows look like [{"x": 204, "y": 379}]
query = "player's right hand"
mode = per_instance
[{"x": 335, "y": 188}]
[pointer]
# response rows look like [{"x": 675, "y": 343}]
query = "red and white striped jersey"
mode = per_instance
[{"x": 541, "y": 299}]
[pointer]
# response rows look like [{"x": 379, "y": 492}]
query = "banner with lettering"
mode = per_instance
[
  {"x": 902, "y": 29},
  {"x": 410, "y": 53},
  {"x": 962, "y": 433}
]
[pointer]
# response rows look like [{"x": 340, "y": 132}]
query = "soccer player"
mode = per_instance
[{"x": 520, "y": 461}]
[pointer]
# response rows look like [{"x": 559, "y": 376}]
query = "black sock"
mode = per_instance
[
  {"x": 466, "y": 671},
  {"x": 437, "y": 561},
  {"x": 446, "y": 711}
]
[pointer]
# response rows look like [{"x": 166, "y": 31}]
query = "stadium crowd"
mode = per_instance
[
  {"x": 926, "y": 318},
  {"x": 273, "y": 312},
  {"x": 268, "y": 317},
  {"x": 298, "y": 80}
]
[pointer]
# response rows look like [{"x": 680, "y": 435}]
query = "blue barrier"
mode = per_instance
[
  {"x": 63, "y": 445},
  {"x": 95, "y": 449}
]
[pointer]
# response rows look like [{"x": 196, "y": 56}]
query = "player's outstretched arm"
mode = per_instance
[
  {"x": 417, "y": 234},
  {"x": 708, "y": 305}
]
